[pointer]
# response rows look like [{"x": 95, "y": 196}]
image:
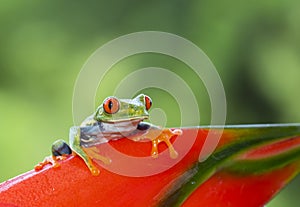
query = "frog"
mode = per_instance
[{"x": 113, "y": 119}]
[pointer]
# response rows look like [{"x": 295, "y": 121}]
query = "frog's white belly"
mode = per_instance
[{"x": 102, "y": 132}]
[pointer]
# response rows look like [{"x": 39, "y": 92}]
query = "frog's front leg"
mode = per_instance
[
  {"x": 87, "y": 154},
  {"x": 76, "y": 147},
  {"x": 157, "y": 135}
]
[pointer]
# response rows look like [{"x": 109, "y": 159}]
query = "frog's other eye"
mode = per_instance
[
  {"x": 148, "y": 102},
  {"x": 111, "y": 105}
]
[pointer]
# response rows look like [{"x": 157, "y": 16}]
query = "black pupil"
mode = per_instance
[{"x": 110, "y": 104}]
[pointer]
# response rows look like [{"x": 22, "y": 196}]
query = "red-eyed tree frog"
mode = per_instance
[{"x": 114, "y": 119}]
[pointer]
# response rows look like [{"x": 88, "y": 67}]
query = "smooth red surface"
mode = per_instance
[
  {"x": 73, "y": 185},
  {"x": 224, "y": 189},
  {"x": 272, "y": 149}
]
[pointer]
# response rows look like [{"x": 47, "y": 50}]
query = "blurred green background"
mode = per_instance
[{"x": 255, "y": 46}]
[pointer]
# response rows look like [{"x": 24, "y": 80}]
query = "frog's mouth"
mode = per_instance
[{"x": 131, "y": 120}]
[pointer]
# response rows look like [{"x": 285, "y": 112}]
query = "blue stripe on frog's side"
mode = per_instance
[{"x": 102, "y": 132}]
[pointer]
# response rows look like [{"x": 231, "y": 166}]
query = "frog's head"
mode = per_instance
[{"x": 116, "y": 110}]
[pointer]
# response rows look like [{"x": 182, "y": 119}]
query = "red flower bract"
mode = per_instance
[{"x": 249, "y": 161}]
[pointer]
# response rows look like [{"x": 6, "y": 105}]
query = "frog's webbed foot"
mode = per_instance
[
  {"x": 60, "y": 151},
  {"x": 52, "y": 160},
  {"x": 165, "y": 136}
]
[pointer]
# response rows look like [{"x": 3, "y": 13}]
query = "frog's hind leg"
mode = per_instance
[
  {"x": 60, "y": 148},
  {"x": 60, "y": 151}
]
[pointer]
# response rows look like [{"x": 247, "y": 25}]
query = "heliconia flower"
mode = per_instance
[{"x": 248, "y": 167}]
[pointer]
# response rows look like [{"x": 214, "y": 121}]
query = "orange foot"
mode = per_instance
[
  {"x": 54, "y": 161},
  {"x": 90, "y": 154},
  {"x": 165, "y": 136}
]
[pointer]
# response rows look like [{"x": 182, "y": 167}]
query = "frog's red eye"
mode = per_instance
[
  {"x": 148, "y": 102},
  {"x": 111, "y": 105}
]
